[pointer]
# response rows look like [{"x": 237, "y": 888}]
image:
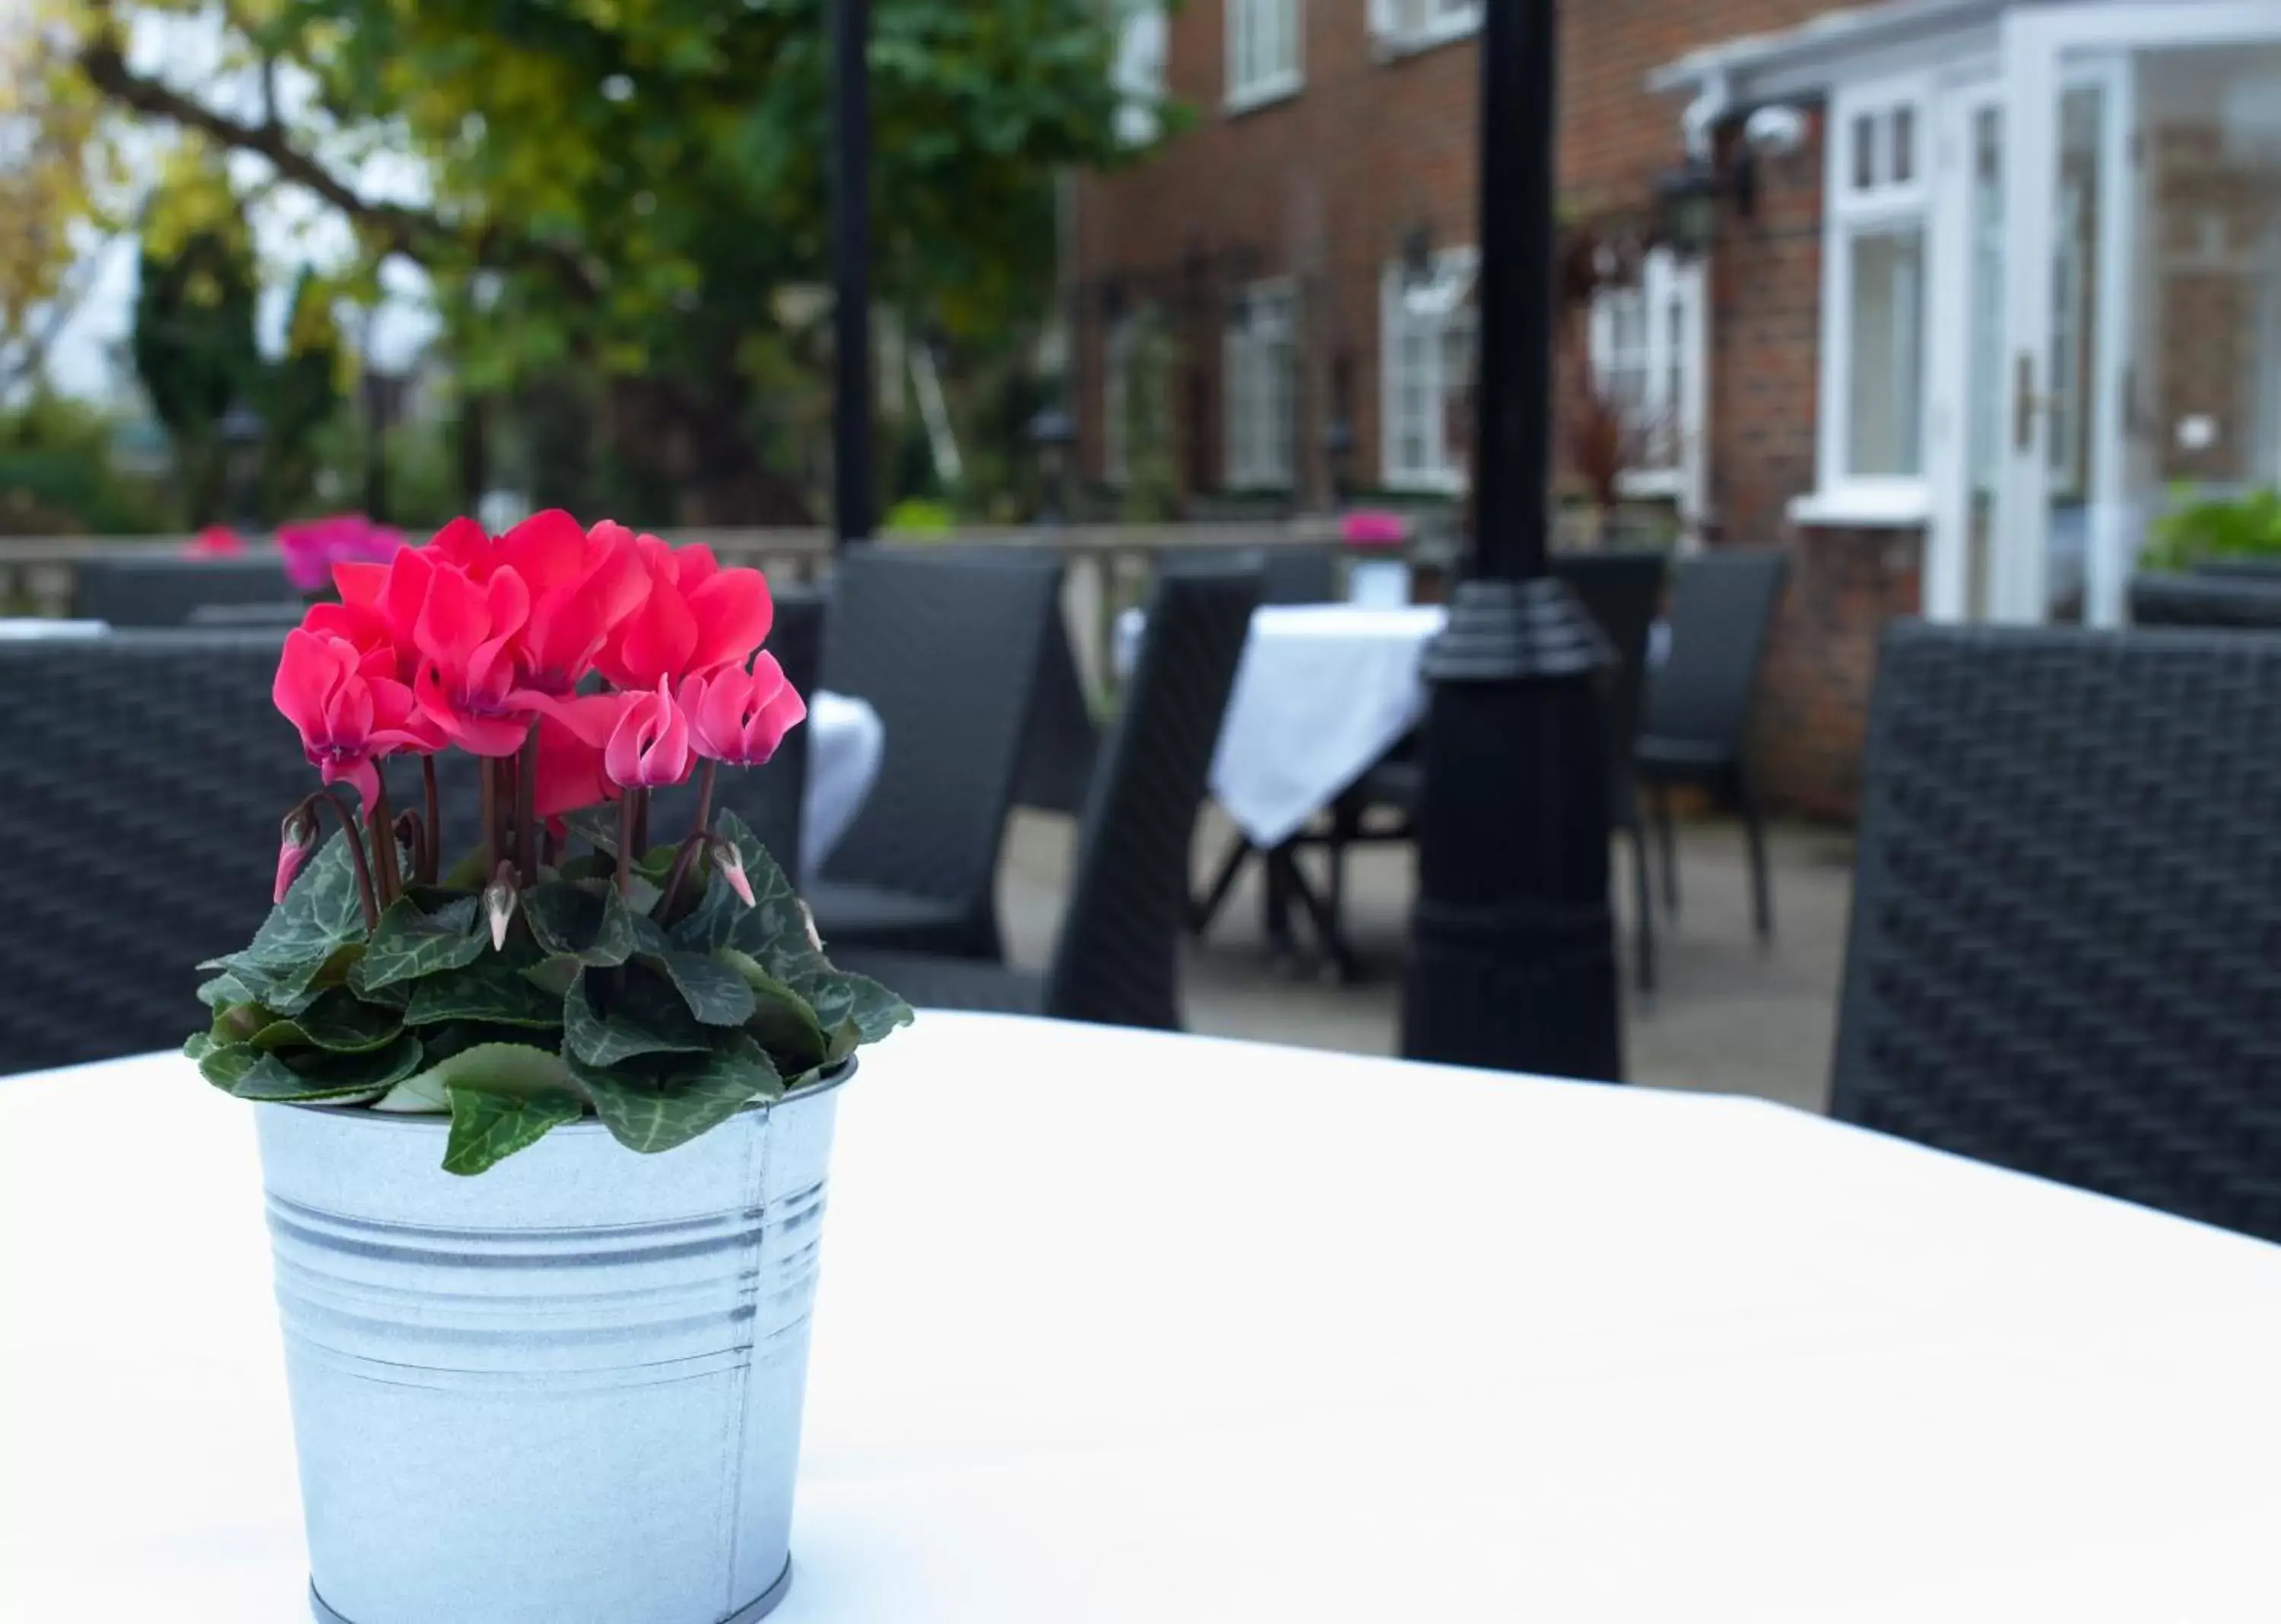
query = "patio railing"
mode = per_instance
[{"x": 1109, "y": 565}]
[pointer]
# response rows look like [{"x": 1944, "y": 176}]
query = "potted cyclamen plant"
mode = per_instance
[{"x": 568, "y": 1389}]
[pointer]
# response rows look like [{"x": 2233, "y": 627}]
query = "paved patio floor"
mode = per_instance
[{"x": 1726, "y": 1017}]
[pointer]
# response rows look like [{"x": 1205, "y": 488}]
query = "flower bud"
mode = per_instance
[
  {"x": 499, "y": 903},
  {"x": 731, "y": 866},
  {"x": 297, "y": 839}
]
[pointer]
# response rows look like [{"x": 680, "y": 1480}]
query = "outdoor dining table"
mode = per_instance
[{"x": 1118, "y": 1327}]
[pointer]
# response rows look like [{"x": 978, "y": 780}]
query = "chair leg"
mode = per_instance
[
  {"x": 1644, "y": 904},
  {"x": 1762, "y": 899},
  {"x": 1201, "y": 914},
  {"x": 1659, "y": 804}
]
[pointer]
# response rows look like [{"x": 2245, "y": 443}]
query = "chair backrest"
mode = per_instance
[
  {"x": 769, "y": 799},
  {"x": 2067, "y": 900},
  {"x": 284, "y": 614},
  {"x": 946, "y": 646},
  {"x": 146, "y": 775},
  {"x": 1722, "y": 608},
  {"x": 2246, "y": 566},
  {"x": 1298, "y": 574},
  {"x": 1064, "y": 740},
  {"x": 162, "y": 591},
  {"x": 1622, "y": 591},
  {"x": 2239, "y": 602},
  {"x": 1118, "y": 958}
]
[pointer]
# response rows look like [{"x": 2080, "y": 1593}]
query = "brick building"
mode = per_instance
[{"x": 1988, "y": 278}]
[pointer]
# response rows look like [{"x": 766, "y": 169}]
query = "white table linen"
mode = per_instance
[
  {"x": 1323, "y": 690},
  {"x": 37, "y": 628},
  {"x": 845, "y": 743},
  {"x": 1118, "y": 1328}
]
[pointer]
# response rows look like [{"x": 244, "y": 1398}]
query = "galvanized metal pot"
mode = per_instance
[{"x": 566, "y": 1391}]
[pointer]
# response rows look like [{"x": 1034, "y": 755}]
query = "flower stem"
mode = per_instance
[
  {"x": 390, "y": 880},
  {"x": 626, "y": 844},
  {"x": 526, "y": 812},
  {"x": 489, "y": 780},
  {"x": 331, "y": 798},
  {"x": 694, "y": 843},
  {"x": 641, "y": 797},
  {"x": 431, "y": 844}
]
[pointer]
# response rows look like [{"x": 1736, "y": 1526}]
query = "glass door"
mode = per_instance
[{"x": 2142, "y": 194}]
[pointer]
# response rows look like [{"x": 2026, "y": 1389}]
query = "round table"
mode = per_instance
[{"x": 1117, "y": 1328}]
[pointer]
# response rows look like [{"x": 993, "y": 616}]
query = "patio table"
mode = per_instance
[{"x": 1120, "y": 1327}]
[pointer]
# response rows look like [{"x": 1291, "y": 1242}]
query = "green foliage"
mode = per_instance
[
  {"x": 194, "y": 348},
  {"x": 2246, "y": 526},
  {"x": 58, "y": 476},
  {"x": 661, "y": 1028}
]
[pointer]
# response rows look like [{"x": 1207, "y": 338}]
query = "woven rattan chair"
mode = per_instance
[
  {"x": 283, "y": 615},
  {"x": 161, "y": 590},
  {"x": 2067, "y": 901},
  {"x": 2239, "y": 602},
  {"x": 2249, "y": 567},
  {"x": 1116, "y": 960},
  {"x": 946, "y": 649},
  {"x": 146, "y": 774},
  {"x": 1698, "y": 704}
]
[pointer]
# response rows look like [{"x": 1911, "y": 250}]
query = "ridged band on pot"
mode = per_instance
[{"x": 565, "y": 1391}]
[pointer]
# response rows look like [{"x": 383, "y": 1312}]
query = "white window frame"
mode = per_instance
[
  {"x": 1258, "y": 444},
  {"x": 1441, "y": 470},
  {"x": 1889, "y": 204},
  {"x": 1674, "y": 394},
  {"x": 1396, "y": 34},
  {"x": 1117, "y": 346},
  {"x": 1256, "y": 73},
  {"x": 1143, "y": 48}
]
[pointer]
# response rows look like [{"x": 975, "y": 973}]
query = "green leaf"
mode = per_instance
[
  {"x": 487, "y": 1127},
  {"x": 336, "y": 1021},
  {"x": 411, "y": 943},
  {"x": 840, "y": 997},
  {"x": 649, "y": 1111},
  {"x": 223, "y": 990},
  {"x": 252, "y": 1074},
  {"x": 587, "y": 922},
  {"x": 715, "y": 994},
  {"x": 781, "y": 1018},
  {"x": 646, "y": 1017},
  {"x": 494, "y": 1068},
  {"x": 321, "y": 914},
  {"x": 845, "y": 1038},
  {"x": 598, "y": 826},
  {"x": 494, "y": 988}
]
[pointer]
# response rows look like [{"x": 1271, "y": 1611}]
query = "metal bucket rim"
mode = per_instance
[{"x": 831, "y": 1077}]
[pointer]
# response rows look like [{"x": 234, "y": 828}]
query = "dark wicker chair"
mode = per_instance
[
  {"x": 283, "y": 615},
  {"x": 1623, "y": 592},
  {"x": 161, "y": 591},
  {"x": 2249, "y": 567},
  {"x": 1698, "y": 704},
  {"x": 1118, "y": 959},
  {"x": 947, "y": 648},
  {"x": 147, "y": 773},
  {"x": 2063, "y": 956},
  {"x": 1063, "y": 739},
  {"x": 2238, "y": 602},
  {"x": 769, "y": 799}
]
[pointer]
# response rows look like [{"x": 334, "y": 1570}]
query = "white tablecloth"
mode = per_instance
[
  {"x": 1118, "y": 1328},
  {"x": 1323, "y": 690},
  {"x": 35, "y": 628},
  {"x": 845, "y": 744}
]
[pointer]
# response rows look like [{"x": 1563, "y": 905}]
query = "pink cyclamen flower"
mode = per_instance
[
  {"x": 649, "y": 747},
  {"x": 738, "y": 717},
  {"x": 347, "y": 720}
]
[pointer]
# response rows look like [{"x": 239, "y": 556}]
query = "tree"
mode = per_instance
[
  {"x": 193, "y": 341},
  {"x": 613, "y": 192},
  {"x": 52, "y": 170}
]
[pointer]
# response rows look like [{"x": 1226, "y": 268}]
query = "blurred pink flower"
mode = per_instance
[
  {"x": 312, "y": 548},
  {"x": 215, "y": 541},
  {"x": 1373, "y": 529}
]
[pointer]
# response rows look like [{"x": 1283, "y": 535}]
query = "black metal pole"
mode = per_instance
[
  {"x": 1512, "y": 944},
  {"x": 852, "y": 495}
]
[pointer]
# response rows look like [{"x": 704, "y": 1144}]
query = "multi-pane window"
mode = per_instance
[
  {"x": 1427, "y": 333},
  {"x": 1645, "y": 353},
  {"x": 1408, "y": 24},
  {"x": 1263, "y": 49},
  {"x": 1873, "y": 431},
  {"x": 1259, "y": 361},
  {"x": 1141, "y": 42}
]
